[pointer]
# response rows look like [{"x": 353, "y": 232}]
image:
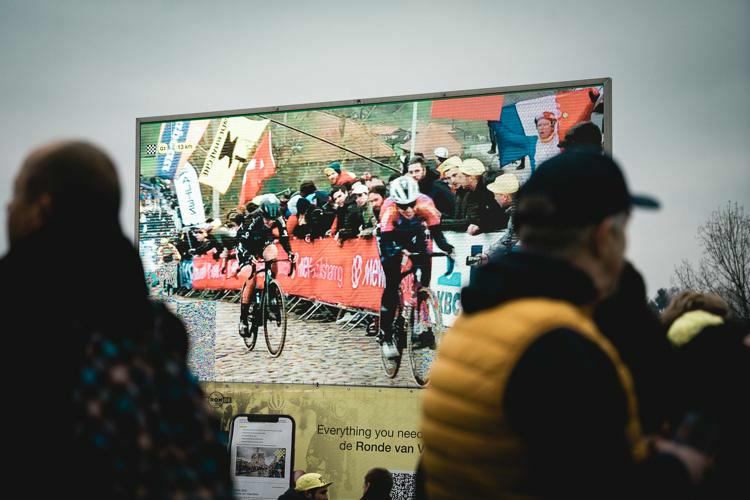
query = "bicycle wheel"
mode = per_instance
[
  {"x": 424, "y": 333},
  {"x": 274, "y": 318},
  {"x": 391, "y": 365},
  {"x": 245, "y": 331}
]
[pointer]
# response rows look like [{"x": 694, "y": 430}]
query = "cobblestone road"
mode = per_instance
[{"x": 315, "y": 352}]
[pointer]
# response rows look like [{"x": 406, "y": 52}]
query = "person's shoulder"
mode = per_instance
[{"x": 425, "y": 201}]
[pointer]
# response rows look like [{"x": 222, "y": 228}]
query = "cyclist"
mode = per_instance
[
  {"x": 407, "y": 218},
  {"x": 255, "y": 241}
]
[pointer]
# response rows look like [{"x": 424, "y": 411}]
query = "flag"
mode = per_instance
[
  {"x": 189, "y": 196},
  {"x": 231, "y": 146},
  {"x": 261, "y": 167},
  {"x": 512, "y": 141},
  {"x": 172, "y": 137},
  {"x": 516, "y": 131},
  {"x": 195, "y": 132},
  {"x": 486, "y": 107},
  {"x": 575, "y": 107}
]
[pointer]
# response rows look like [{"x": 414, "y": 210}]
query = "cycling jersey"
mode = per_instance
[
  {"x": 424, "y": 210},
  {"x": 253, "y": 236},
  {"x": 399, "y": 233}
]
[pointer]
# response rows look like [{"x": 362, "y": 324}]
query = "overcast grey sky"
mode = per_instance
[{"x": 680, "y": 70}]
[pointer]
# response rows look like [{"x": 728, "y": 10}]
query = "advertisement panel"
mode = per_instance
[{"x": 341, "y": 432}]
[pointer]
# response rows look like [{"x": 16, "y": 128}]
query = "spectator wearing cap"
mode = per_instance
[
  {"x": 339, "y": 176},
  {"x": 557, "y": 414},
  {"x": 429, "y": 185},
  {"x": 312, "y": 486},
  {"x": 360, "y": 219},
  {"x": 504, "y": 189},
  {"x": 292, "y": 493},
  {"x": 473, "y": 201},
  {"x": 441, "y": 154},
  {"x": 583, "y": 134},
  {"x": 546, "y": 144},
  {"x": 377, "y": 196},
  {"x": 449, "y": 171}
]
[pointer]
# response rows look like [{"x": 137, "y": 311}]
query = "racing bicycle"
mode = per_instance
[
  {"x": 417, "y": 325},
  {"x": 269, "y": 309}
]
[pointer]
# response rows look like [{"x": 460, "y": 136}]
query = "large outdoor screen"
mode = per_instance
[{"x": 328, "y": 244}]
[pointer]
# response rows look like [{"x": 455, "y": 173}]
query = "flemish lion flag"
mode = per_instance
[
  {"x": 261, "y": 167},
  {"x": 231, "y": 146}
]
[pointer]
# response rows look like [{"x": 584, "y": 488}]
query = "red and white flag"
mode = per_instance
[
  {"x": 261, "y": 167},
  {"x": 486, "y": 107}
]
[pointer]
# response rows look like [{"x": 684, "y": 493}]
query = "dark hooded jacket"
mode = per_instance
[{"x": 439, "y": 192}]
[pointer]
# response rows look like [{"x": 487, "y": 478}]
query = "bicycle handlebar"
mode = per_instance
[
  {"x": 293, "y": 266},
  {"x": 449, "y": 267}
]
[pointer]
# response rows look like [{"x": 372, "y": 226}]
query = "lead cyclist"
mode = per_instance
[
  {"x": 255, "y": 241},
  {"x": 407, "y": 217}
]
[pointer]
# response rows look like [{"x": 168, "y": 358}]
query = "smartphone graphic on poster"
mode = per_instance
[{"x": 261, "y": 451}]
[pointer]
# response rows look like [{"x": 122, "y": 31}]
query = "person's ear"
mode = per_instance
[
  {"x": 601, "y": 237},
  {"x": 40, "y": 210}
]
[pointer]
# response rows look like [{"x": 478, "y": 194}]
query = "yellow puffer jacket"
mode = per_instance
[{"x": 470, "y": 451}]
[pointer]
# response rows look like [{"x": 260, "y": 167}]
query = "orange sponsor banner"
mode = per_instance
[{"x": 349, "y": 275}]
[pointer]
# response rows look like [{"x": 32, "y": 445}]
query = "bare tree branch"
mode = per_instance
[{"x": 724, "y": 266}]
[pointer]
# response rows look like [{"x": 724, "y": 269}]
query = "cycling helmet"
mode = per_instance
[
  {"x": 404, "y": 190},
  {"x": 269, "y": 206}
]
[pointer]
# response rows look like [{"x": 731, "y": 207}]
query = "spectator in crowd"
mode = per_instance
[
  {"x": 338, "y": 176},
  {"x": 441, "y": 154},
  {"x": 473, "y": 201},
  {"x": 359, "y": 220},
  {"x": 627, "y": 321},
  {"x": 334, "y": 212},
  {"x": 504, "y": 189},
  {"x": 292, "y": 493},
  {"x": 129, "y": 419},
  {"x": 557, "y": 415},
  {"x": 312, "y": 486},
  {"x": 167, "y": 251},
  {"x": 491, "y": 125},
  {"x": 711, "y": 383},
  {"x": 375, "y": 181},
  {"x": 297, "y": 223},
  {"x": 312, "y": 222},
  {"x": 284, "y": 205},
  {"x": 378, "y": 484},
  {"x": 583, "y": 134},
  {"x": 305, "y": 189},
  {"x": 377, "y": 196},
  {"x": 546, "y": 144},
  {"x": 428, "y": 184},
  {"x": 449, "y": 172}
]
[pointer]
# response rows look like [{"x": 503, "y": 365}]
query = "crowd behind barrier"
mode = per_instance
[
  {"x": 349, "y": 277},
  {"x": 333, "y": 234}
]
